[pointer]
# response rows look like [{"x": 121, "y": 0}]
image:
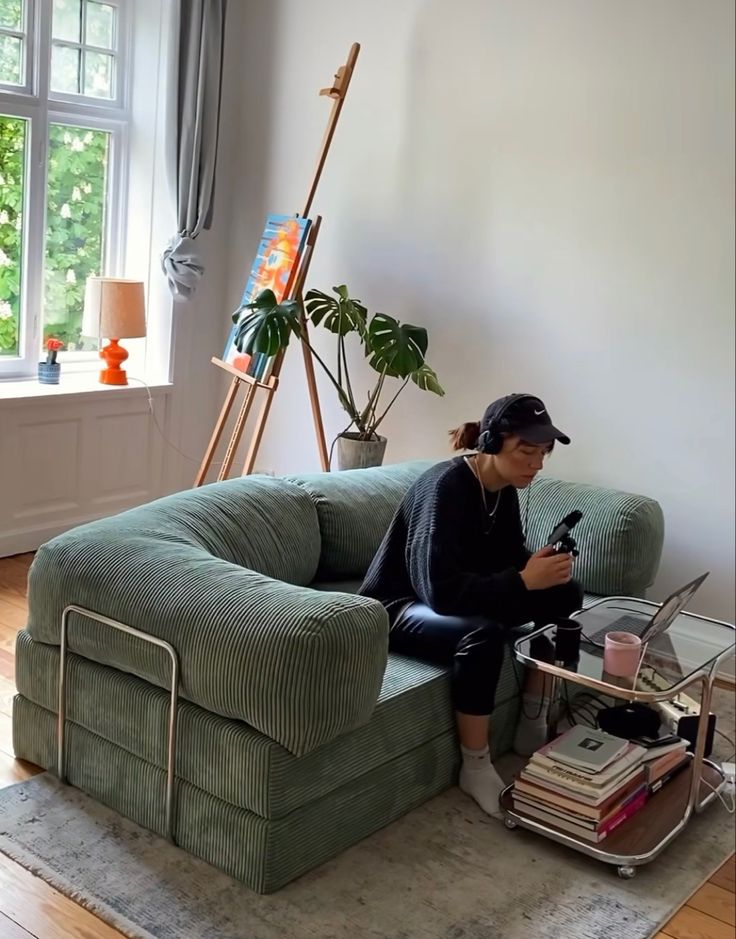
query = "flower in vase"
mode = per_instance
[{"x": 52, "y": 347}]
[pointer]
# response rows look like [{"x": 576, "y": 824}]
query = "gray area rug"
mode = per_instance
[{"x": 445, "y": 871}]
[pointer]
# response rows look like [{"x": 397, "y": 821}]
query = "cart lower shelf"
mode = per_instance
[{"x": 641, "y": 838}]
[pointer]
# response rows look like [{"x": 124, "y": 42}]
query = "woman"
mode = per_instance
[{"x": 454, "y": 576}]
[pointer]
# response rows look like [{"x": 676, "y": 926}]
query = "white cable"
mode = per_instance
[
  {"x": 731, "y": 809},
  {"x": 148, "y": 391},
  {"x": 642, "y": 656},
  {"x": 159, "y": 429}
]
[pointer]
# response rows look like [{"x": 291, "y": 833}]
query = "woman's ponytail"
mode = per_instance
[{"x": 465, "y": 437}]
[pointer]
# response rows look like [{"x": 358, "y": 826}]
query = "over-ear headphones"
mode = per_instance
[{"x": 491, "y": 439}]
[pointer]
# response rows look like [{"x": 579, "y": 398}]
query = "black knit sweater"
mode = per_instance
[{"x": 443, "y": 550}]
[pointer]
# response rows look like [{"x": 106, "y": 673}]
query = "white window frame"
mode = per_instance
[{"x": 41, "y": 108}]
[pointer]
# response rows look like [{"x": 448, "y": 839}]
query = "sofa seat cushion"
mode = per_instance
[
  {"x": 338, "y": 586},
  {"x": 264, "y": 853},
  {"x": 228, "y": 758},
  {"x": 355, "y": 508}
]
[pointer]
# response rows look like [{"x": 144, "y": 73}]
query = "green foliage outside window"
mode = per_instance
[
  {"x": 75, "y": 213},
  {"x": 11, "y": 47},
  {"x": 10, "y": 11},
  {"x": 12, "y": 147}
]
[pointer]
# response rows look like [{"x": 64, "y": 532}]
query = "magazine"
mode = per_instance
[{"x": 586, "y": 748}]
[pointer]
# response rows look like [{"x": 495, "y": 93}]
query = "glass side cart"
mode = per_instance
[{"x": 688, "y": 655}]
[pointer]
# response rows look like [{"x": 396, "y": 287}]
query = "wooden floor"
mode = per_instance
[{"x": 30, "y": 909}]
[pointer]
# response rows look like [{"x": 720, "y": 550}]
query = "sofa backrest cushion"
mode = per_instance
[
  {"x": 258, "y": 522},
  {"x": 620, "y": 536},
  {"x": 355, "y": 508}
]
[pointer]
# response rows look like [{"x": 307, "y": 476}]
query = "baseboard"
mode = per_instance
[
  {"x": 727, "y": 682},
  {"x": 23, "y": 540}
]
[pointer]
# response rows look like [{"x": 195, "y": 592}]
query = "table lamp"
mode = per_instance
[{"x": 113, "y": 309}]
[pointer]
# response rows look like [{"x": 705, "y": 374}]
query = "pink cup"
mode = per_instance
[{"x": 621, "y": 654}]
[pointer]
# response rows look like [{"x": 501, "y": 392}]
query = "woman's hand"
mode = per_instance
[{"x": 546, "y": 569}]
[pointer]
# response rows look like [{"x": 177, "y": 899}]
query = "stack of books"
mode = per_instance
[
  {"x": 585, "y": 782},
  {"x": 663, "y": 763}
]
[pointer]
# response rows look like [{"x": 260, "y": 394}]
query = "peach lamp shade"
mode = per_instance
[{"x": 113, "y": 309}]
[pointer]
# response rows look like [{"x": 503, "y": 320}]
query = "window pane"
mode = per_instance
[
  {"x": 67, "y": 22},
  {"x": 11, "y": 52},
  {"x": 11, "y": 14},
  {"x": 75, "y": 227},
  {"x": 65, "y": 70},
  {"x": 98, "y": 74},
  {"x": 100, "y": 20},
  {"x": 12, "y": 171}
]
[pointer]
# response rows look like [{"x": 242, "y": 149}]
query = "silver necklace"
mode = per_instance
[{"x": 492, "y": 512}]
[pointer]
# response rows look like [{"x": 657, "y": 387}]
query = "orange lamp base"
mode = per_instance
[{"x": 114, "y": 356}]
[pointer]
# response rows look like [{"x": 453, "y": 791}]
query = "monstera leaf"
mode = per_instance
[
  {"x": 341, "y": 316},
  {"x": 268, "y": 327},
  {"x": 395, "y": 349},
  {"x": 426, "y": 379}
]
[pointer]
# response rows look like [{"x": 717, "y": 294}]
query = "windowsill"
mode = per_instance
[{"x": 71, "y": 386}]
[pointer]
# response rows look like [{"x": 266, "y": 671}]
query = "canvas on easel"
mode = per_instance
[
  {"x": 241, "y": 380},
  {"x": 274, "y": 268}
]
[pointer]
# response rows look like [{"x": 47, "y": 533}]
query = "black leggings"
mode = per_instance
[{"x": 474, "y": 645}]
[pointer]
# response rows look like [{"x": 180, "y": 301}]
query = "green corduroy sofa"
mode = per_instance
[{"x": 298, "y": 734}]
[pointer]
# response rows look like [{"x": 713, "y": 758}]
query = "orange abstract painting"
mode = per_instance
[{"x": 275, "y": 265}]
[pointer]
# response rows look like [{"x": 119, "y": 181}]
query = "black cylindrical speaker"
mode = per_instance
[{"x": 567, "y": 641}]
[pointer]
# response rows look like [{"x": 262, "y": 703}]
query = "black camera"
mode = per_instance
[{"x": 560, "y": 538}]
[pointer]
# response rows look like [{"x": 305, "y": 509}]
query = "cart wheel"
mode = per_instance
[
  {"x": 510, "y": 823},
  {"x": 625, "y": 872}
]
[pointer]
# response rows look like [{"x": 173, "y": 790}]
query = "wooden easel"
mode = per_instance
[{"x": 251, "y": 386}]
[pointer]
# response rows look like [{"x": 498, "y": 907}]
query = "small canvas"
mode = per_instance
[{"x": 274, "y": 268}]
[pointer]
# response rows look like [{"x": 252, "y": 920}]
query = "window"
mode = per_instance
[{"x": 63, "y": 160}]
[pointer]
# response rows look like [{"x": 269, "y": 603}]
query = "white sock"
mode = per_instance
[
  {"x": 531, "y": 731},
  {"x": 480, "y": 781}
]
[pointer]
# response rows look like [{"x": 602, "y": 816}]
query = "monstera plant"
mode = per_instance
[{"x": 395, "y": 351}]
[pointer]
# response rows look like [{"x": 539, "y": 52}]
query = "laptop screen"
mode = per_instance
[{"x": 671, "y": 607}]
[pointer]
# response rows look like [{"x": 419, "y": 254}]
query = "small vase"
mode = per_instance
[
  {"x": 354, "y": 453},
  {"x": 48, "y": 374}
]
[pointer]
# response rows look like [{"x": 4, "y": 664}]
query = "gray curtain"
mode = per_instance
[{"x": 196, "y": 85}]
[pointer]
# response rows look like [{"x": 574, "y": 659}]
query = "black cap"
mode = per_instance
[{"x": 523, "y": 415}]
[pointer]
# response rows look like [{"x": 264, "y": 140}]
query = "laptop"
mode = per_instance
[{"x": 649, "y": 627}]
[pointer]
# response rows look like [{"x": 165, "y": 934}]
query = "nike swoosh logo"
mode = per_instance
[{"x": 539, "y": 412}]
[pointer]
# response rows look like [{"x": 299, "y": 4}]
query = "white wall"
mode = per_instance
[
  {"x": 74, "y": 455},
  {"x": 549, "y": 189}
]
